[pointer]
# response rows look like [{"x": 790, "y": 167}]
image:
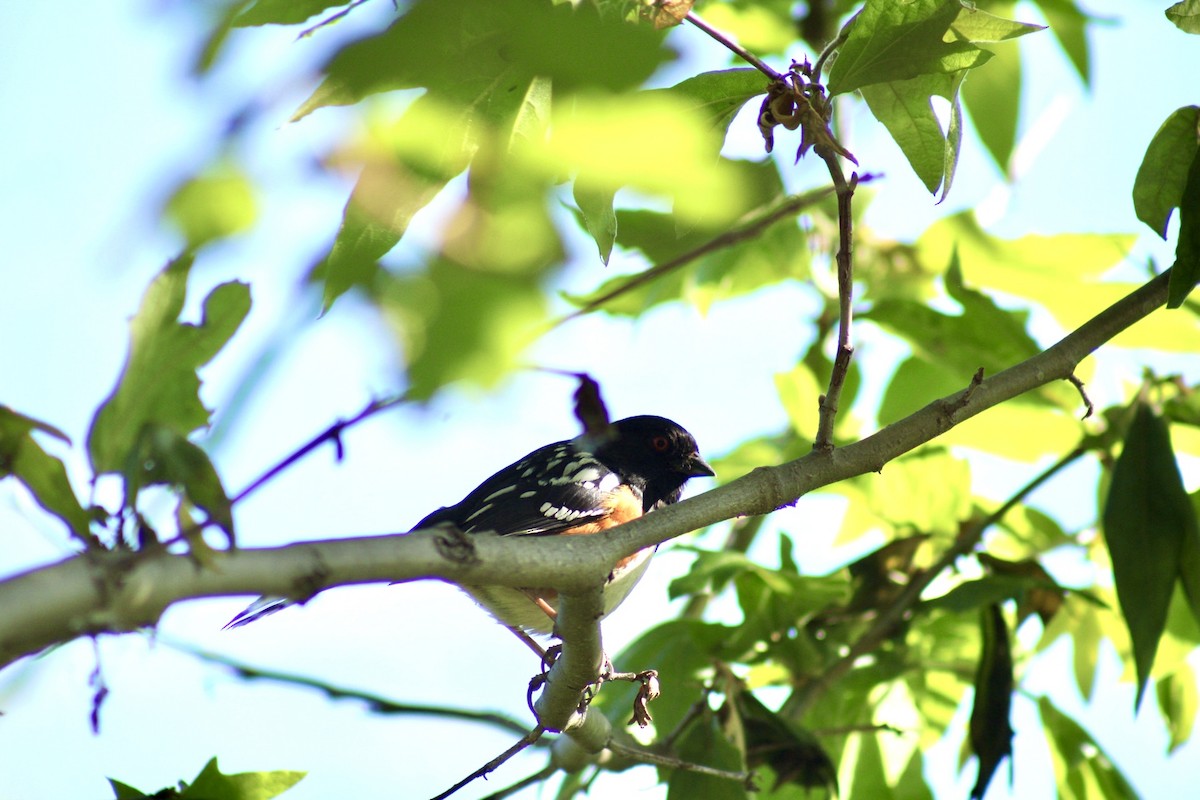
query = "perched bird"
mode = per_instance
[{"x": 583, "y": 485}]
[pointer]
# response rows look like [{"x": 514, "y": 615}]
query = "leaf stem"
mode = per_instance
[
  {"x": 828, "y": 404},
  {"x": 761, "y": 219}
]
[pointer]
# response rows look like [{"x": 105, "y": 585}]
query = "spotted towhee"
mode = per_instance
[{"x": 583, "y": 485}]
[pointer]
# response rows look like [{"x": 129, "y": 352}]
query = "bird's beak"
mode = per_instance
[{"x": 698, "y": 467}]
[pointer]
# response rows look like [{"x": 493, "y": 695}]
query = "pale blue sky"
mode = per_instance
[{"x": 98, "y": 121}]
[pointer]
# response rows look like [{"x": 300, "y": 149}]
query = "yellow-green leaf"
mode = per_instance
[{"x": 213, "y": 205}]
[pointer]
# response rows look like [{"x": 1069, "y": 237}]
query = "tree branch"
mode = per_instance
[{"x": 100, "y": 592}]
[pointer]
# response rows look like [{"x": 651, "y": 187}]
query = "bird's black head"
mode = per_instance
[{"x": 654, "y": 454}]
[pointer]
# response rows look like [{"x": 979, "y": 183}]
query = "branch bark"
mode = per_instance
[{"x": 100, "y": 592}]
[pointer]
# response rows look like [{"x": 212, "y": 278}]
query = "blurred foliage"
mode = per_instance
[
  {"x": 212, "y": 784},
  {"x": 506, "y": 111}
]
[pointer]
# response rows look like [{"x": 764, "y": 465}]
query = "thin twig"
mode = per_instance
[
  {"x": 332, "y": 433},
  {"x": 491, "y": 766},
  {"x": 1089, "y": 409},
  {"x": 374, "y": 702},
  {"x": 527, "y": 781},
  {"x": 329, "y": 20},
  {"x": 828, "y": 405},
  {"x": 761, "y": 219},
  {"x": 833, "y": 46},
  {"x": 884, "y": 624},
  {"x": 736, "y": 48},
  {"x": 648, "y": 757}
]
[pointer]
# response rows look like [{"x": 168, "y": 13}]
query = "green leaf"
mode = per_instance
[
  {"x": 1185, "y": 15},
  {"x": 1081, "y": 767},
  {"x": 596, "y": 208},
  {"x": 1061, "y": 272},
  {"x": 474, "y": 53},
  {"x": 776, "y": 252},
  {"x": 158, "y": 394},
  {"x": 1069, "y": 25},
  {"x": 42, "y": 474},
  {"x": 983, "y": 335},
  {"x": 211, "y": 784},
  {"x": 1185, "y": 272},
  {"x": 703, "y": 742},
  {"x": 991, "y": 732},
  {"x": 417, "y": 155},
  {"x": 993, "y": 99},
  {"x": 1147, "y": 517},
  {"x": 166, "y": 457},
  {"x": 975, "y": 25},
  {"x": 1177, "y": 699},
  {"x": 679, "y": 650},
  {"x": 891, "y": 42},
  {"x": 283, "y": 12},
  {"x": 897, "y": 494},
  {"x": 981, "y": 593},
  {"x": 799, "y": 392},
  {"x": 654, "y": 142},
  {"x": 718, "y": 96},
  {"x": 1159, "y": 186},
  {"x": 793, "y": 753},
  {"x": 462, "y": 324},
  {"x": 122, "y": 791},
  {"x": 1189, "y": 564},
  {"x": 213, "y": 205},
  {"x": 904, "y": 109}
]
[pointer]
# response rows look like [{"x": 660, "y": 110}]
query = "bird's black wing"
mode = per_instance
[{"x": 551, "y": 490}]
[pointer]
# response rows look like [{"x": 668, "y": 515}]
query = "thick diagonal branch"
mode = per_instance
[{"x": 113, "y": 592}]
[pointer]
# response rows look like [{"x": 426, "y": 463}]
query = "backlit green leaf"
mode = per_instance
[
  {"x": 1147, "y": 517},
  {"x": 1061, "y": 272},
  {"x": 211, "y": 784},
  {"x": 652, "y": 142},
  {"x": 904, "y": 109},
  {"x": 891, "y": 42},
  {"x": 159, "y": 384},
  {"x": 462, "y": 324},
  {"x": 475, "y": 53},
  {"x": 774, "y": 253},
  {"x": 718, "y": 96},
  {"x": 22, "y": 457},
  {"x": 283, "y": 12},
  {"x": 1069, "y": 25},
  {"x": 984, "y": 335},
  {"x": 1081, "y": 767},
  {"x": 992, "y": 95},
  {"x": 213, "y": 205},
  {"x": 596, "y": 208},
  {"x": 895, "y": 494},
  {"x": 975, "y": 25},
  {"x": 166, "y": 457},
  {"x": 157, "y": 398},
  {"x": 1177, "y": 699}
]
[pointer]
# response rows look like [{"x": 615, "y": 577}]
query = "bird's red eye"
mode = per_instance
[{"x": 660, "y": 444}]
